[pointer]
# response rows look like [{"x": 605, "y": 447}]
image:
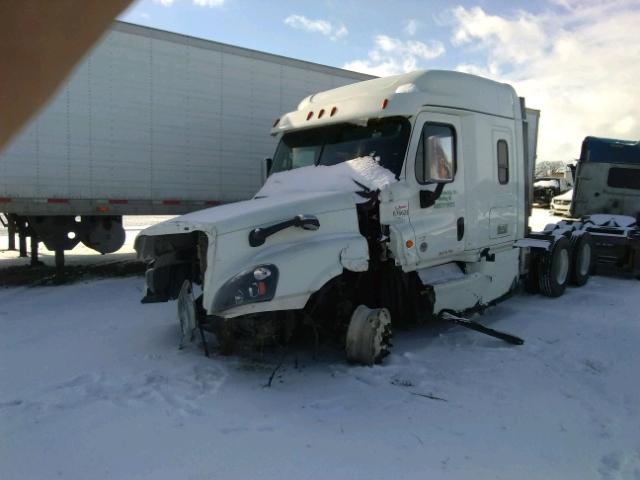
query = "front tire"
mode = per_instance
[
  {"x": 368, "y": 335},
  {"x": 554, "y": 268}
]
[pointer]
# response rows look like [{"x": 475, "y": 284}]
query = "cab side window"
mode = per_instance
[
  {"x": 503, "y": 162},
  {"x": 436, "y": 155}
]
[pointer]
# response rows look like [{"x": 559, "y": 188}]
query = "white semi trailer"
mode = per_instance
[
  {"x": 150, "y": 122},
  {"x": 428, "y": 218}
]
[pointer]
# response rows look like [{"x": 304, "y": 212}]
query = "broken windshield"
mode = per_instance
[{"x": 386, "y": 138}]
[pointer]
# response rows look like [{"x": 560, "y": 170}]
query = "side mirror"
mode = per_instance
[
  {"x": 435, "y": 160},
  {"x": 436, "y": 155},
  {"x": 268, "y": 163}
]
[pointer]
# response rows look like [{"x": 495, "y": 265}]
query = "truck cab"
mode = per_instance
[
  {"x": 607, "y": 178},
  {"x": 406, "y": 196}
]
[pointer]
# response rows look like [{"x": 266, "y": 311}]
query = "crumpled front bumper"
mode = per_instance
[{"x": 172, "y": 259}]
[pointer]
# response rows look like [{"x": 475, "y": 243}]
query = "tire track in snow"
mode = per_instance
[{"x": 180, "y": 390}]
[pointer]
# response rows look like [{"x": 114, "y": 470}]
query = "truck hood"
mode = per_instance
[
  {"x": 257, "y": 212},
  {"x": 307, "y": 190}
]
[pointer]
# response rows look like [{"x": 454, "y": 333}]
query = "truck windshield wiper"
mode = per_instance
[{"x": 259, "y": 235}]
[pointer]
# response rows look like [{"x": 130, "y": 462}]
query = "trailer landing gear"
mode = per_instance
[
  {"x": 34, "y": 252},
  {"x": 104, "y": 234},
  {"x": 10, "y": 225}
]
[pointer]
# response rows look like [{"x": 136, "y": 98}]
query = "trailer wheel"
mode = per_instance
[
  {"x": 554, "y": 268},
  {"x": 581, "y": 258},
  {"x": 368, "y": 335}
]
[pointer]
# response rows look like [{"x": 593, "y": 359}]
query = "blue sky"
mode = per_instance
[
  {"x": 576, "y": 60},
  {"x": 261, "y": 25}
]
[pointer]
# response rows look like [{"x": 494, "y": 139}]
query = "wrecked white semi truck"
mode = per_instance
[{"x": 389, "y": 201}]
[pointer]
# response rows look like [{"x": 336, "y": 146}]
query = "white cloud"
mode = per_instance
[
  {"x": 578, "y": 65},
  {"x": 303, "y": 23},
  {"x": 340, "y": 32},
  {"x": 390, "y": 56},
  {"x": 411, "y": 27},
  {"x": 209, "y": 3},
  {"x": 164, "y": 3},
  {"x": 517, "y": 41},
  {"x": 323, "y": 27}
]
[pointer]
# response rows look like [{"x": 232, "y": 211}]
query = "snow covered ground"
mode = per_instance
[{"x": 92, "y": 386}]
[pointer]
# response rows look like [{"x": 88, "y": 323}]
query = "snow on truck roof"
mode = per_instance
[{"x": 403, "y": 95}]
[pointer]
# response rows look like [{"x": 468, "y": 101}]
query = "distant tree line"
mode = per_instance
[{"x": 550, "y": 168}]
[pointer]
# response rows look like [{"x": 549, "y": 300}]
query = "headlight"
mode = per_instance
[{"x": 251, "y": 286}]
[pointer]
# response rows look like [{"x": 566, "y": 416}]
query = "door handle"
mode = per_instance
[{"x": 460, "y": 224}]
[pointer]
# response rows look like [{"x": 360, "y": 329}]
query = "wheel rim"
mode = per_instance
[
  {"x": 368, "y": 335},
  {"x": 584, "y": 259},
  {"x": 562, "y": 266}
]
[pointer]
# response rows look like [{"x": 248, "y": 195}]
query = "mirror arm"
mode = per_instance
[{"x": 428, "y": 198}]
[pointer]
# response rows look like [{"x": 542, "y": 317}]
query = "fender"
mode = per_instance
[{"x": 304, "y": 267}]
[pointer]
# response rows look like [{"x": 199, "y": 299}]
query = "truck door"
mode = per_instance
[
  {"x": 502, "y": 193},
  {"x": 435, "y": 170}
]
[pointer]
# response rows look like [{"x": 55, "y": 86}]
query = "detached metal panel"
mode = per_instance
[{"x": 155, "y": 122}]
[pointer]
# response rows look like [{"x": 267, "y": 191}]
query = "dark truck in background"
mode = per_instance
[
  {"x": 607, "y": 178},
  {"x": 606, "y": 199}
]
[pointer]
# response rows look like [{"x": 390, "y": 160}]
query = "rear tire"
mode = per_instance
[
  {"x": 581, "y": 259},
  {"x": 554, "y": 267}
]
